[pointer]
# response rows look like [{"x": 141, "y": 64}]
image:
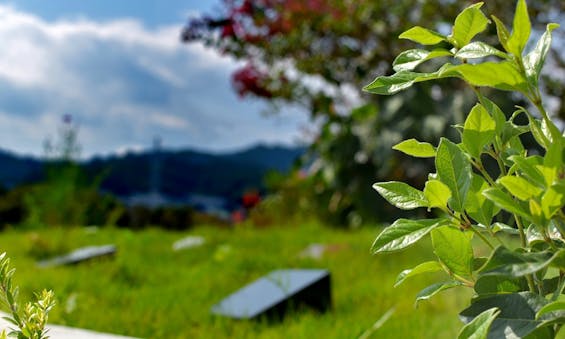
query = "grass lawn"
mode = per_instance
[{"x": 150, "y": 291}]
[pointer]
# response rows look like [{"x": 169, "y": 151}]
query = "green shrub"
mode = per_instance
[
  {"x": 30, "y": 320},
  {"x": 517, "y": 291}
]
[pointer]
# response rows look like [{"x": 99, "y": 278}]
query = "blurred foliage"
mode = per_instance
[
  {"x": 65, "y": 197},
  {"x": 318, "y": 54},
  {"x": 170, "y": 217}
]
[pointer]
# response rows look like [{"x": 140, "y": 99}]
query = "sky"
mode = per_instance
[{"x": 119, "y": 69}]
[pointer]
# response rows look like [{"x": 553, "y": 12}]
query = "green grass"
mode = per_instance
[{"x": 150, "y": 291}]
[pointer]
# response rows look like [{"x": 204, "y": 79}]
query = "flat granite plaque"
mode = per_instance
[
  {"x": 273, "y": 294},
  {"x": 80, "y": 255}
]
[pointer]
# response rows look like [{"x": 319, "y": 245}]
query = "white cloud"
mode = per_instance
[{"x": 124, "y": 84}]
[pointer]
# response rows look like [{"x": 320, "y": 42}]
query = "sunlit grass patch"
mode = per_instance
[{"x": 148, "y": 290}]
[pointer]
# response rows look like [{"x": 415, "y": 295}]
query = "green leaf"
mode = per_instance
[
  {"x": 551, "y": 131},
  {"x": 492, "y": 284},
  {"x": 521, "y": 29},
  {"x": 434, "y": 289},
  {"x": 478, "y": 49},
  {"x": 416, "y": 149},
  {"x": 505, "y": 202},
  {"x": 500, "y": 227},
  {"x": 478, "y": 131},
  {"x": 537, "y": 131},
  {"x": 479, "y": 327},
  {"x": 549, "y": 173},
  {"x": 387, "y": 85},
  {"x": 513, "y": 264},
  {"x": 437, "y": 194},
  {"x": 551, "y": 307},
  {"x": 534, "y": 60},
  {"x": 470, "y": 22},
  {"x": 517, "y": 313},
  {"x": 554, "y": 154},
  {"x": 511, "y": 131},
  {"x": 425, "y": 267},
  {"x": 520, "y": 187},
  {"x": 528, "y": 168},
  {"x": 454, "y": 170},
  {"x": 410, "y": 59},
  {"x": 403, "y": 233},
  {"x": 401, "y": 195},
  {"x": 477, "y": 205},
  {"x": 502, "y": 32},
  {"x": 551, "y": 202},
  {"x": 495, "y": 112},
  {"x": 500, "y": 75},
  {"x": 423, "y": 36},
  {"x": 453, "y": 248},
  {"x": 536, "y": 212}
]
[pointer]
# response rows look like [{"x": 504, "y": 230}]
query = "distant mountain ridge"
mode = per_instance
[{"x": 173, "y": 173}]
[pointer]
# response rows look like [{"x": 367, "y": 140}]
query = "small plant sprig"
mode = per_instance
[
  {"x": 32, "y": 319},
  {"x": 517, "y": 291}
]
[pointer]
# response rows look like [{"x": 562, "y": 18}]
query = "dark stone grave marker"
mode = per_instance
[
  {"x": 273, "y": 294},
  {"x": 80, "y": 255}
]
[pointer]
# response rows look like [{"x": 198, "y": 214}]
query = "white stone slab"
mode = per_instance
[{"x": 63, "y": 332}]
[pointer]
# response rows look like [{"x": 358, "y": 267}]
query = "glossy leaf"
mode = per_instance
[
  {"x": 387, "y": 85},
  {"x": 551, "y": 202},
  {"x": 551, "y": 307},
  {"x": 479, "y": 327},
  {"x": 478, "y": 130},
  {"x": 453, "y": 248},
  {"x": 538, "y": 133},
  {"x": 478, "y": 49},
  {"x": 505, "y": 201},
  {"x": 528, "y": 168},
  {"x": 554, "y": 154},
  {"x": 425, "y": 267},
  {"x": 534, "y": 60},
  {"x": 437, "y": 194},
  {"x": 491, "y": 284},
  {"x": 495, "y": 112},
  {"x": 551, "y": 131},
  {"x": 510, "y": 131},
  {"x": 500, "y": 227},
  {"x": 477, "y": 205},
  {"x": 533, "y": 233},
  {"x": 536, "y": 212},
  {"x": 520, "y": 187},
  {"x": 434, "y": 289},
  {"x": 401, "y": 195},
  {"x": 521, "y": 29},
  {"x": 500, "y": 75},
  {"x": 517, "y": 313},
  {"x": 416, "y": 149},
  {"x": 549, "y": 173},
  {"x": 410, "y": 59},
  {"x": 502, "y": 32},
  {"x": 403, "y": 233},
  {"x": 470, "y": 22},
  {"x": 423, "y": 36},
  {"x": 454, "y": 170},
  {"x": 513, "y": 264}
]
